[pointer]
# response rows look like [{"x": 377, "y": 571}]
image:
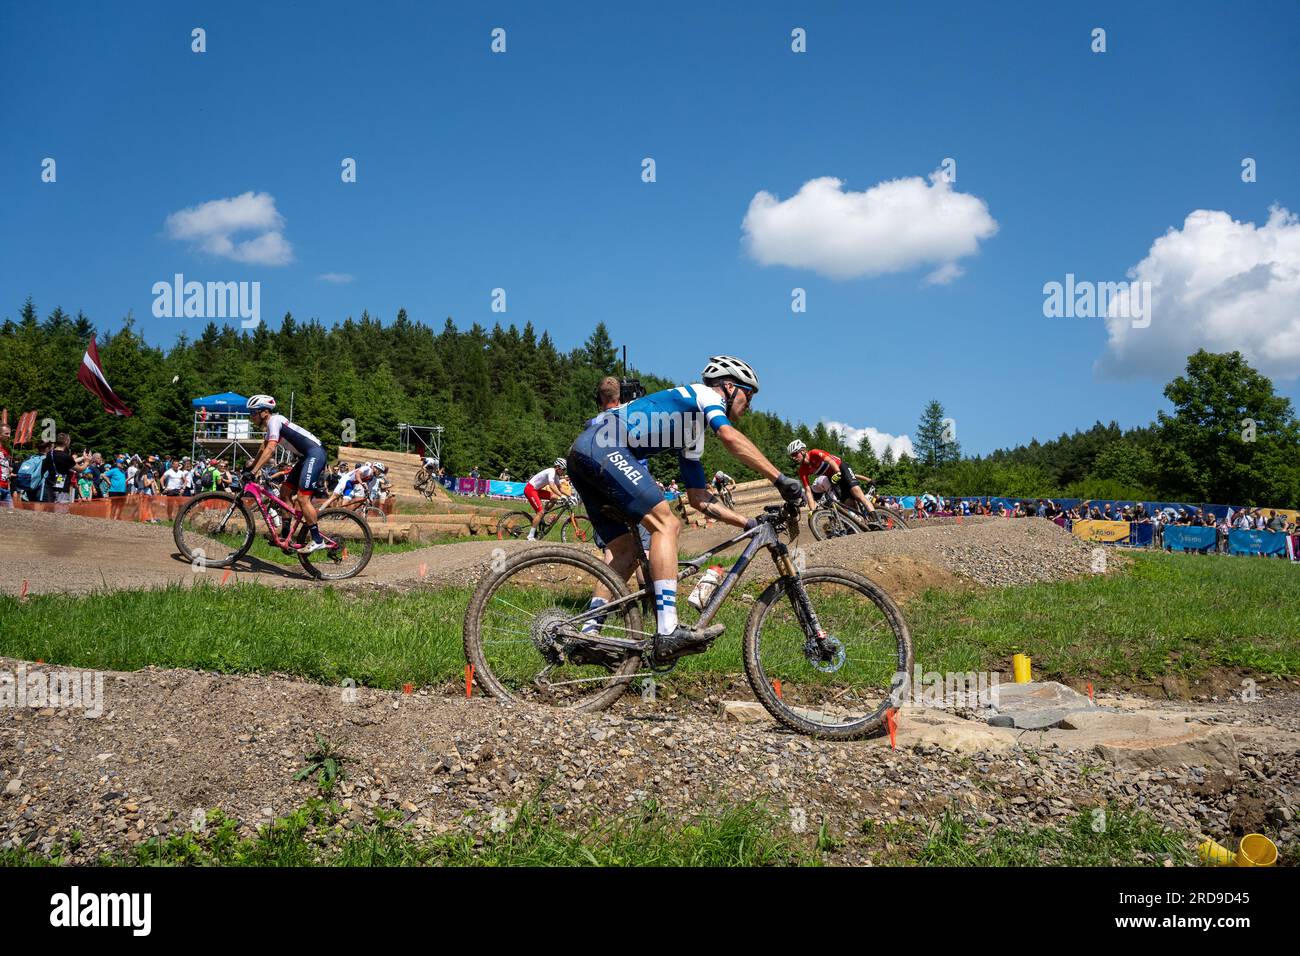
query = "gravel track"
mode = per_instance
[{"x": 171, "y": 742}]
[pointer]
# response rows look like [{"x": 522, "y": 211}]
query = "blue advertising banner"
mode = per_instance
[
  {"x": 1142, "y": 535},
  {"x": 1189, "y": 537},
  {"x": 1256, "y": 542},
  {"x": 507, "y": 489}
]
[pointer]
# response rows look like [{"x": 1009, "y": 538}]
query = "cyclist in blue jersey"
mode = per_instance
[
  {"x": 302, "y": 481},
  {"x": 606, "y": 470}
]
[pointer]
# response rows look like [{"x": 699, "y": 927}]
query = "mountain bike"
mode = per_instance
[
  {"x": 216, "y": 529},
  {"x": 367, "y": 506},
  {"x": 574, "y": 527},
  {"x": 425, "y": 482},
  {"x": 724, "y": 496},
  {"x": 826, "y": 650},
  {"x": 833, "y": 518}
]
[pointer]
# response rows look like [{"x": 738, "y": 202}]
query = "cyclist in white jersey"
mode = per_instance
[
  {"x": 350, "y": 482},
  {"x": 541, "y": 487},
  {"x": 302, "y": 481}
]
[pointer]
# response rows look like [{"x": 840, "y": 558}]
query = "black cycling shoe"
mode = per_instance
[{"x": 685, "y": 640}]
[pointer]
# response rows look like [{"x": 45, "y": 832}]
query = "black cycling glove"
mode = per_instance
[{"x": 790, "y": 488}]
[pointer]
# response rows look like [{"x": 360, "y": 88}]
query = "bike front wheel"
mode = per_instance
[
  {"x": 833, "y": 673},
  {"x": 214, "y": 530},
  {"x": 578, "y": 529},
  {"x": 349, "y": 546},
  {"x": 523, "y": 631},
  {"x": 825, "y": 523}
]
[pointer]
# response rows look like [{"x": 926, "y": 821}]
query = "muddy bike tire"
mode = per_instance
[
  {"x": 331, "y": 520},
  {"x": 522, "y": 564},
  {"x": 762, "y": 686},
  {"x": 204, "y": 502}
]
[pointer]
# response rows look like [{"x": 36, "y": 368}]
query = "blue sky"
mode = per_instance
[{"x": 522, "y": 171}]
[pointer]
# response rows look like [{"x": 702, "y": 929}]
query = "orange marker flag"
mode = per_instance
[
  {"x": 891, "y": 721},
  {"x": 469, "y": 681}
]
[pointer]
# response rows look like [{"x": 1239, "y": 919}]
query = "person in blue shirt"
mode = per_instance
[
  {"x": 605, "y": 466},
  {"x": 116, "y": 478}
]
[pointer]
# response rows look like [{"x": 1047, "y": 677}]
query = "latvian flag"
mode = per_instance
[{"x": 91, "y": 375}]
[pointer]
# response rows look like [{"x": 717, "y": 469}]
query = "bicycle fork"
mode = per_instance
[{"x": 816, "y": 646}]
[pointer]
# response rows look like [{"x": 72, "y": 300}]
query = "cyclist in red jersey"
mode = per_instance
[{"x": 815, "y": 464}]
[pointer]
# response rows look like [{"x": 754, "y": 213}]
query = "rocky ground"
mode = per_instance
[{"x": 171, "y": 743}]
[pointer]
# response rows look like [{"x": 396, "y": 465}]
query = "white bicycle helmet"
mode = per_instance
[
  {"x": 380, "y": 467},
  {"x": 728, "y": 366},
  {"x": 561, "y": 463},
  {"x": 795, "y": 447},
  {"x": 259, "y": 402}
]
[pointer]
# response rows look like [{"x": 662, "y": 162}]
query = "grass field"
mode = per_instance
[
  {"x": 1167, "y": 614},
  {"x": 751, "y": 834}
]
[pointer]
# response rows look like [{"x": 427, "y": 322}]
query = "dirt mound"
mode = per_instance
[{"x": 992, "y": 553}]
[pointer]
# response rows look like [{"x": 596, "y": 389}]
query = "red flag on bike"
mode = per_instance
[{"x": 91, "y": 375}]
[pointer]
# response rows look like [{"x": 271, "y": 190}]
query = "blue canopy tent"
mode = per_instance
[
  {"x": 225, "y": 402},
  {"x": 221, "y": 426}
]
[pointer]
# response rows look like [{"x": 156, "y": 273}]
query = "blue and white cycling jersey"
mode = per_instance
[
  {"x": 675, "y": 419},
  {"x": 350, "y": 481},
  {"x": 279, "y": 428}
]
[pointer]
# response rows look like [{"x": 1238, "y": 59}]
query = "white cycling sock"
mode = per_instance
[
  {"x": 666, "y": 605},
  {"x": 592, "y": 626}
]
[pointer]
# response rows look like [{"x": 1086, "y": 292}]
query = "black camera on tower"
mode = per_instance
[{"x": 629, "y": 389}]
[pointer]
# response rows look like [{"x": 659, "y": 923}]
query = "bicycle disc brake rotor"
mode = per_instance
[
  {"x": 545, "y": 632},
  {"x": 829, "y": 657}
]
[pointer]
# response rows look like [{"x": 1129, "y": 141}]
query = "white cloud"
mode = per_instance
[
  {"x": 901, "y": 444},
  {"x": 337, "y": 277},
  {"x": 894, "y": 226},
  {"x": 1216, "y": 284},
  {"x": 211, "y": 226}
]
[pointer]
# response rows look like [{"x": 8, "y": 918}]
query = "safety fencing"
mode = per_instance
[{"x": 1200, "y": 538}]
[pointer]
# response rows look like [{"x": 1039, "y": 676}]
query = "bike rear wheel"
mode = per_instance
[
  {"x": 519, "y": 638},
  {"x": 844, "y": 692},
  {"x": 214, "y": 530},
  {"x": 351, "y": 546},
  {"x": 514, "y": 525},
  {"x": 883, "y": 519}
]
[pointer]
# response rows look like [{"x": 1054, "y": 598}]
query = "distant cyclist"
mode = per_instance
[
  {"x": 820, "y": 471},
  {"x": 606, "y": 471},
  {"x": 544, "y": 486},
  {"x": 302, "y": 480},
  {"x": 352, "y": 484},
  {"x": 722, "y": 482}
]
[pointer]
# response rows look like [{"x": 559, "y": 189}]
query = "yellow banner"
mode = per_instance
[{"x": 1101, "y": 530}]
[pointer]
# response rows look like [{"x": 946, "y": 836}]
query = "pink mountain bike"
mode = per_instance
[{"x": 216, "y": 529}]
